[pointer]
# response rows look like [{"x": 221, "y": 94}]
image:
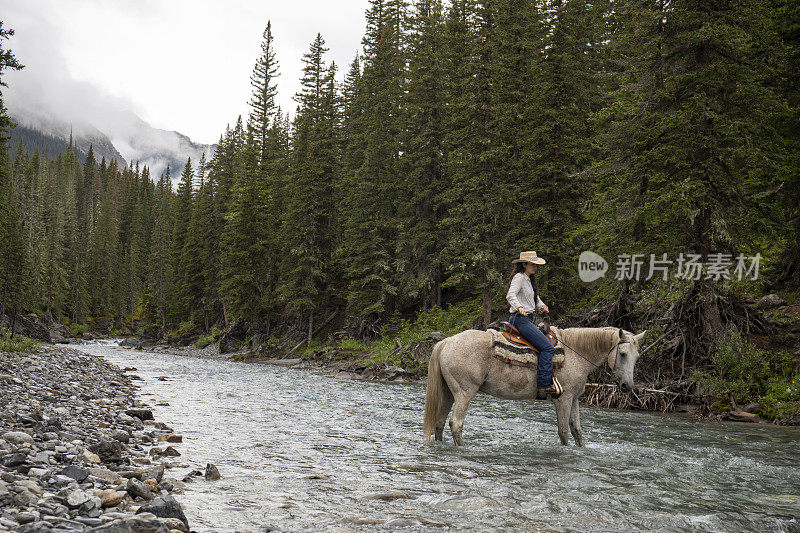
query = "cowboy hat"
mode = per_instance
[{"x": 529, "y": 257}]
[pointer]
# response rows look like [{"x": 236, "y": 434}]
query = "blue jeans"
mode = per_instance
[{"x": 544, "y": 375}]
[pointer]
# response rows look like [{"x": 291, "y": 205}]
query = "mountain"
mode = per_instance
[
  {"x": 120, "y": 135},
  {"x": 51, "y": 137}
]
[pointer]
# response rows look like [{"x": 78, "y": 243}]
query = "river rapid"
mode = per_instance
[{"x": 299, "y": 451}]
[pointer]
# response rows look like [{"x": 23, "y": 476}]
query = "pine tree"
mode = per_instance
[
  {"x": 13, "y": 264},
  {"x": 311, "y": 212},
  {"x": 184, "y": 200},
  {"x": 262, "y": 102},
  {"x": 421, "y": 242},
  {"x": 370, "y": 224}
]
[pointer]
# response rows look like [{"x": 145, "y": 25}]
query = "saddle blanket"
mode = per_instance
[{"x": 519, "y": 355}]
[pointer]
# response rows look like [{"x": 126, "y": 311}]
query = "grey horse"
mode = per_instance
[{"x": 463, "y": 364}]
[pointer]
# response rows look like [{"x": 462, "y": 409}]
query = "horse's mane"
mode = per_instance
[{"x": 589, "y": 341}]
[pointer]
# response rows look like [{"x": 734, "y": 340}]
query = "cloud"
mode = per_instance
[{"x": 181, "y": 65}]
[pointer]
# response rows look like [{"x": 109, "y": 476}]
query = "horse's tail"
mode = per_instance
[{"x": 434, "y": 394}]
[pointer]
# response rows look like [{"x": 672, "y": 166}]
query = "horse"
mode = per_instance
[{"x": 463, "y": 364}]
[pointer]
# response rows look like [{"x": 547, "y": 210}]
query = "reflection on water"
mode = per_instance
[{"x": 300, "y": 451}]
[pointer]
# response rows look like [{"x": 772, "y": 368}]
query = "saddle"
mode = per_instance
[
  {"x": 514, "y": 336},
  {"x": 511, "y": 347}
]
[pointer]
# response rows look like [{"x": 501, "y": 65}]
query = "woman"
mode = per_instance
[{"x": 524, "y": 301}]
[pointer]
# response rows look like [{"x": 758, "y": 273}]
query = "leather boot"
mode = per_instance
[{"x": 554, "y": 390}]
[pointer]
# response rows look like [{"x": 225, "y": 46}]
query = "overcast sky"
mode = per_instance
[{"x": 181, "y": 65}]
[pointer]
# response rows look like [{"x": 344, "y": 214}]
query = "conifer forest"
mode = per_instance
[{"x": 462, "y": 134}]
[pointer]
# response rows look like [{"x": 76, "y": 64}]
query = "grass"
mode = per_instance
[
  {"x": 18, "y": 344},
  {"x": 753, "y": 375}
]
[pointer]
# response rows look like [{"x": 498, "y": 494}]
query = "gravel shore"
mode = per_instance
[{"x": 78, "y": 451}]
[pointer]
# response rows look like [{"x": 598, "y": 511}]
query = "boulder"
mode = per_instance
[
  {"x": 770, "y": 301},
  {"x": 30, "y": 325},
  {"x": 164, "y": 507}
]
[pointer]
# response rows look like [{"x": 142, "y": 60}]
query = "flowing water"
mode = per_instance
[{"x": 299, "y": 451}]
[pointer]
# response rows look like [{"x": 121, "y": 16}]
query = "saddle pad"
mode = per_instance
[{"x": 514, "y": 354}]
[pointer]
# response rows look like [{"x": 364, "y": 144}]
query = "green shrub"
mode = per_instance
[
  {"x": 753, "y": 375},
  {"x": 18, "y": 344},
  {"x": 77, "y": 330}
]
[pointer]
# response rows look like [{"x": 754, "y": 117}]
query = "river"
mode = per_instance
[{"x": 299, "y": 451}]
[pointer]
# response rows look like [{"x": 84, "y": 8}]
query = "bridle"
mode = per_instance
[{"x": 604, "y": 359}]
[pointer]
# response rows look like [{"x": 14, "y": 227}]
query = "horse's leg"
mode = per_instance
[
  {"x": 462, "y": 397},
  {"x": 563, "y": 408},
  {"x": 575, "y": 422},
  {"x": 447, "y": 404}
]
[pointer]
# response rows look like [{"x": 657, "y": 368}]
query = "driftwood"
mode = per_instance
[
  {"x": 738, "y": 415},
  {"x": 644, "y": 398}
]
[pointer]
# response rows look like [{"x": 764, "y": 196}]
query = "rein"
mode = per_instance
[{"x": 606, "y": 356}]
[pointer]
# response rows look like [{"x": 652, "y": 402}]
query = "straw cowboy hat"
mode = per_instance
[{"x": 529, "y": 257}]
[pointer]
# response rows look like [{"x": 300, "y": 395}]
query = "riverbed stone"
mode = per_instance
[
  {"x": 137, "y": 489},
  {"x": 13, "y": 459},
  {"x": 143, "y": 523},
  {"x": 212, "y": 472},
  {"x": 77, "y": 498},
  {"x": 165, "y": 507},
  {"x": 141, "y": 414},
  {"x": 75, "y": 472},
  {"x": 109, "y": 451},
  {"x": 17, "y": 437},
  {"x": 169, "y": 451},
  {"x": 110, "y": 497}
]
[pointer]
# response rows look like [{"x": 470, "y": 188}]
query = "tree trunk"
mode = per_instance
[{"x": 310, "y": 326}]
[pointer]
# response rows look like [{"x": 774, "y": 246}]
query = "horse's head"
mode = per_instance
[{"x": 622, "y": 358}]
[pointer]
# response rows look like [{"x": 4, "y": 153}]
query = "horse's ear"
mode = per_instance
[
  {"x": 640, "y": 336},
  {"x": 621, "y": 333}
]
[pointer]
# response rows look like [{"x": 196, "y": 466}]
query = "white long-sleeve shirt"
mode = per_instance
[{"x": 520, "y": 294}]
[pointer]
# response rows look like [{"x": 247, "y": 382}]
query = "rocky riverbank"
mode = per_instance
[{"x": 78, "y": 451}]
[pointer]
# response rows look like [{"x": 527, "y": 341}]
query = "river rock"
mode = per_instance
[
  {"x": 17, "y": 437},
  {"x": 169, "y": 451},
  {"x": 175, "y": 524},
  {"x": 13, "y": 459},
  {"x": 77, "y": 498},
  {"x": 89, "y": 457},
  {"x": 75, "y": 472},
  {"x": 110, "y": 498},
  {"x": 212, "y": 473},
  {"x": 25, "y": 498},
  {"x": 165, "y": 507},
  {"x": 138, "y": 489},
  {"x": 120, "y": 435},
  {"x": 109, "y": 451},
  {"x": 105, "y": 475},
  {"x": 141, "y": 414},
  {"x": 142, "y": 523},
  {"x": 25, "y": 517},
  {"x": 156, "y": 473}
]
